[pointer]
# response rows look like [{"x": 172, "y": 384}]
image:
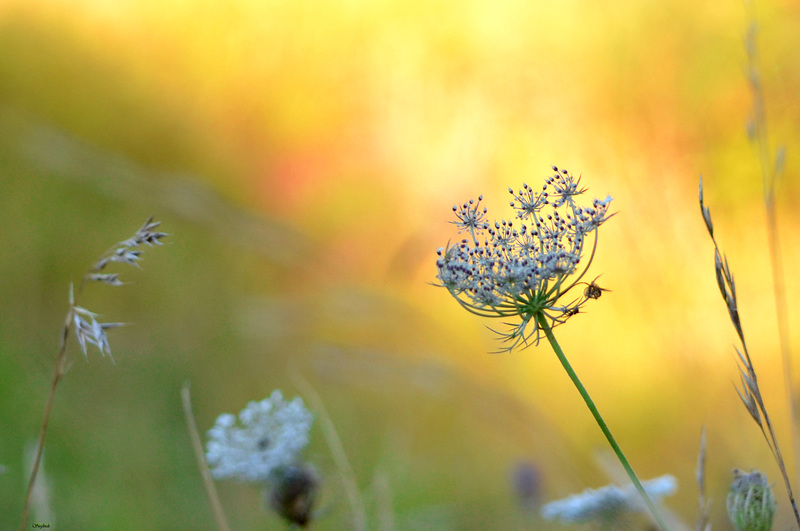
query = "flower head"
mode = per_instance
[
  {"x": 269, "y": 436},
  {"x": 470, "y": 217},
  {"x": 609, "y": 503},
  {"x": 294, "y": 493},
  {"x": 523, "y": 268}
]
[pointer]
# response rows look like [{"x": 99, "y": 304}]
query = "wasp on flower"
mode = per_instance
[{"x": 526, "y": 267}]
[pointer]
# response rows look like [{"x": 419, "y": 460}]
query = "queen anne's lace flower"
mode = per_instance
[
  {"x": 524, "y": 268},
  {"x": 269, "y": 436},
  {"x": 608, "y": 503}
]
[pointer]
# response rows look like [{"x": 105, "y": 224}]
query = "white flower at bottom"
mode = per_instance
[
  {"x": 270, "y": 435},
  {"x": 609, "y": 502}
]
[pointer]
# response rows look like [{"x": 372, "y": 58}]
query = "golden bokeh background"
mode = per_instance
[{"x": 304, "y": 157}]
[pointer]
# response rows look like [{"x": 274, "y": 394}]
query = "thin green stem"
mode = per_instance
[{"x": 540, "y": 318}]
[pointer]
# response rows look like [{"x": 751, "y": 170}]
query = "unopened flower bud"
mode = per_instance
[
  {"x": 294, "y": 492},
  {"x": 751, "y": 505}
]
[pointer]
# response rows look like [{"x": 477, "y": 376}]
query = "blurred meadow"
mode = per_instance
[{"x": 304, "y": 157}]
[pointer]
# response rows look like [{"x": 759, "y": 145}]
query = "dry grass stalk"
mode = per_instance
[
  {"x": 749, "y": 392},
  {"x": 359, "y": 514},
  {"x": 704, "y": 515},
  {"x": 772, "y": 167},
  {"x": 87, "y": 329},
  {"x": 197, "y": 446}
]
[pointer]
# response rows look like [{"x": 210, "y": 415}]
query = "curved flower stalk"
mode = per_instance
[
  {"x": 528, "y": 272},
  {"x": 526, "y": 269}
]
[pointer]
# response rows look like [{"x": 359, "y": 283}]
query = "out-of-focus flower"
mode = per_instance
[
  {"x": 608, "y": 504},
  {"x": 269, "y": 436},
  {"x": 526, "y": 482}
]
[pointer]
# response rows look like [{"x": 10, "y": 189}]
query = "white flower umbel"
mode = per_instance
[
  {"x": 526, "y": 267},
  {"x": 269, "y": 436},
  {"x": 608, "y": 503}
]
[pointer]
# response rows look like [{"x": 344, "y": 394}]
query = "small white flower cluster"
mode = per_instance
[
  {"x": 523, "y": 270},
  {"x": 269, "y": 437},
  {"x": 608, "y": 503}
]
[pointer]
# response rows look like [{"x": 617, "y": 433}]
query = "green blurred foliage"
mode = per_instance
[{"x": 304, "y": 158}]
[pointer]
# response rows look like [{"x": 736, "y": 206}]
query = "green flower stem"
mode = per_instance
[{"x": 542, "y": 320}]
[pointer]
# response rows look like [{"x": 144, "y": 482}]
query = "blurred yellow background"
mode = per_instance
[{"x": 304, "y": 157}]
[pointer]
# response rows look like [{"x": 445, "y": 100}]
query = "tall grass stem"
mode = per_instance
[
  {"x": 197, "y": 445},
  {"x": 58, "y": 374},
  {"x": 771, "y": 171},
  {"x": 350, "y": 485},
  {"x": 87, "y": 329}
]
